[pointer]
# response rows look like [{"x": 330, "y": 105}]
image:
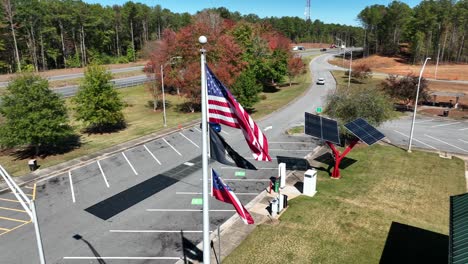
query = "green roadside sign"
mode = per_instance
[{"x": 318, "y": 110}]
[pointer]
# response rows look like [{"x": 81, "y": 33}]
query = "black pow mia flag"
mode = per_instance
[{"x": 225, "y": 154}]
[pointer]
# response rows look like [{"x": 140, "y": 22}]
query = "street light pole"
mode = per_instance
[
  {"x": 163, "y": 95},
  {"x": 350, "y": 62},
  {"x": 416, "y": 105}
]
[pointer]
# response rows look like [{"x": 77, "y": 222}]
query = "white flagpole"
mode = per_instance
[{"x": 206, "y": 206}]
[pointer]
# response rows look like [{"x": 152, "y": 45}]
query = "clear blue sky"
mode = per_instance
[{"x": 328, "y": 11}]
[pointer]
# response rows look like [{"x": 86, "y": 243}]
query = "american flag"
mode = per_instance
[
  {"x": 224, "y": 109},
  {"x": 223, "y": 193}
]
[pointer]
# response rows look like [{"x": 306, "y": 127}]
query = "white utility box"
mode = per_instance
[
  {"x": 282, "y": 174},
  {"x": 310, "y": 182}
]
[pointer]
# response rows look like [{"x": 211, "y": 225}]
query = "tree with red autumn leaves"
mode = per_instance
[
  {"x": 232, "y": 49},
  {"x": 295, "y": 67}
]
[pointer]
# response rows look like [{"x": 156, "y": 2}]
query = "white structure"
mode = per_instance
[
  {"x": 282, "y": 174},
  {"x": 274, "y": 207},
  {"x": 281, "y": 203},
  {"x": 310, "y": 182}
]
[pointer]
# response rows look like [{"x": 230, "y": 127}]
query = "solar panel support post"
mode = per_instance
[{"x": 338, "y": 157}]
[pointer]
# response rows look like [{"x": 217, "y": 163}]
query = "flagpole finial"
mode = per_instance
[{"x": 202, "y": 40}]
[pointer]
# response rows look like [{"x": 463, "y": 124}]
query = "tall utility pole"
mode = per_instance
[{"x": 307, "y": 11}]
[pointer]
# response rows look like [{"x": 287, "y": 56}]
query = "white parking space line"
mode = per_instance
[
  {"x": 464, "y": 141},
  {"x": 301, "y": 150},
  {"x": 250, "y": 158},
  {"x": 463, "y": 129},
  {"x": 152, "y": 155},
  {"x": 236, "y": 168},
  {"x": 156, "y": 231},
  {"x": 186, "y": 210},
  {"x": 103, "y": 175},
  {"x": 247, "y": 180},
  {"x": 124, "y": 258},
  {"x": 424, "y": 121},
  {"x": 71, "y": 186},
  {"x": 131, "y": 166},
  {"x": 446, "y": 143},
  {"x": 416, "y": 140},
  {"x": 285, "y": 142},
  {"x": 449, "y": 124},
  {"x": 172, "y": 147},
  {"x": 199, "y": 193},
  {"x": 189, "y": 140},
  {"x": 222, "y": 131},
  {"x": 197, "y": 129}
]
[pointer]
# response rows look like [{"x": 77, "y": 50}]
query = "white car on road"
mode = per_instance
[{"x": 321, "y": 81}]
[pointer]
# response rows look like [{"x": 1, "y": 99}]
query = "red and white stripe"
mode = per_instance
[{"x": 229, "y": 112}]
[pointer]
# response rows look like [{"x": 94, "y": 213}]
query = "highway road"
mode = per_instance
[
  {"x": 80, "y": 75},
  {"x": 142, "y": 204}
]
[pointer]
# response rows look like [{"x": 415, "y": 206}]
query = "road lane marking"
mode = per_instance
[
  {"x": 289, "y": 142},
  {"x": 302, "y": 150},
  {"x": 190, "y": 164},
  {"x": 198, "y": 193},
  {"x": 124, "y": 258},
  {"x": 4, "y": 229},
  {"x": 152, "y": 155},
  {"x": 13, "y": 219},
  {"x": 172, "y": 147},
  {"x": 424, "y": 121},
  {"x": 131, "y": 166},
  {"x": 222, "y": 131},
  {"x": 247, "y": 180},
  {"x": 197, "y": 129},
  {"x": 157, "y": 231},
  {"x": 235, "y": 168},
  {"x": 416, "y": 140},
  {"x": 16, "y": 227},
  {"x": 9, "y": 200},
  {"x": 463, "y": 129},
  {"x": 71, "y": 186},
  {"x": 464, "y": 141},
  {"x": 103, "y": 175},
  {"x": 34, "y": 191},
  {"x": 449, "y": 124},
  {"x": 446, "y": 143},
  {"x": 12, "y": 209},
  {"x": 187, "y": 210},
  {"x": 27, "y": 187},
  {"x": 268, "y": 128},
  {"x": 189, "y": 140}
]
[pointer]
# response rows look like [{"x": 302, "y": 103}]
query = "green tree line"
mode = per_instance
[{"x": 434, "y": 28}]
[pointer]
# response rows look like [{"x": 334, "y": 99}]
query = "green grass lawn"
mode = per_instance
[
  {"x": 141, "y": 120},
  {"x": 348, "y": 220}
]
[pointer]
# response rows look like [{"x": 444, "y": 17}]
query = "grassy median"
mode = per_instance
[{"x": 348, "y": 220}]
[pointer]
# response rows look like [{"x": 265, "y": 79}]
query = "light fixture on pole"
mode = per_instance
[
  {"x": 206, "y": 207},
  {"x": 416, "y": 105}
]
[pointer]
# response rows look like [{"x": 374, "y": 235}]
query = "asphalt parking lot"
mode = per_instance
[
  {"x": 432, "y": 133},
  {"x": 142, "y": 205}
]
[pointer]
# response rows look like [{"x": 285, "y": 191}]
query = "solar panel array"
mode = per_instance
[
  {"x": 364, "y": 131},
  {"x": 322, "y": 128}
]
